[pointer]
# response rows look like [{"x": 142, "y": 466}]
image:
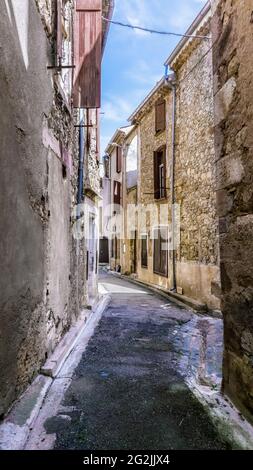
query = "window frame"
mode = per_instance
[
  {"x": 144, "y": 236},
  {"x": 159, "y": 161},
  {"x": 118, "y": 159},
  {"x": 159, "y": 271}
]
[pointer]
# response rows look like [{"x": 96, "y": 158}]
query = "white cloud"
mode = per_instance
[
  {"x": 155, "y": 14},
  {"x": 141, "y": 73},
  {"x": 116, "y": 109}
]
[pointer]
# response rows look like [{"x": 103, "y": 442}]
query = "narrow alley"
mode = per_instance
[
  {"x": 129, "y": 389},
  {"x": 126, "y": 285}
]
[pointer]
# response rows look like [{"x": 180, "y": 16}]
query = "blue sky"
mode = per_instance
[{"x": 133, "y": 60}]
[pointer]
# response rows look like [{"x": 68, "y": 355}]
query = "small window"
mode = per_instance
[
  {"x": 160, "y": 116},
  {"x": 144, "y": 251},
  {"x": 160, "y": 251},
  {"x": 64, "y": 171},
  {"x": 117, "y": 192},
  {"x": 160, "y": 174},
  {"x": 107, "y": 167},
  {"x": 119, "y": 159}
]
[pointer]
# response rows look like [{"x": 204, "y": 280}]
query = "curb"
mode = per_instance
[{"x": 16, "y": 427}]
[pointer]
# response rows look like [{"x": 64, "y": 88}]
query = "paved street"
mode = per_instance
[{"x": 129, "y": 391}]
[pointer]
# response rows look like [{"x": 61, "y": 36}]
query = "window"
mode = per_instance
[
  {"x": 160, "y": 174},
  {"x": 160, "y": 251},
  {"x": 107, "y": 167},
  {"x": 144, "y": 251},
  {"x": 116, "y": 192},
  {"x": 119, "y": 159},
  {"x": 160, "y": 113},
  {"x": 115, "y": 248}
]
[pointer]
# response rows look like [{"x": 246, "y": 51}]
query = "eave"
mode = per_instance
[{"x": 198, "y": 27}]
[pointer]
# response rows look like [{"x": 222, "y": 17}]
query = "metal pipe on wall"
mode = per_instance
[{"x": 171, "y": 80}]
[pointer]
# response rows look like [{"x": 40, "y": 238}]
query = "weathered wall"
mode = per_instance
[
  {"x": 38, "y": 260},
  {"x": 115, "y": 220},
  {"x": 233, "y": 90},
  {"x": 127, "y": 259},
  {"x": 197, "y": 256},
  {"x": 149, "y": 143}
]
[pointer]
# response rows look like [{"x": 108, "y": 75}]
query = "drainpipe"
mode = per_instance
[
  {"x": 171, "y": 81},
  {"x": 80, "y": 169}
]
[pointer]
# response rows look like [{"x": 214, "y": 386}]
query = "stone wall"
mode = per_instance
[
  {"x": 197, "y": 256},
  {"x": 128, "y": 259},
  {"x": 150, "y": 141},
  {"x": 233, "y": 70},
  {"x": 197, "y": 270},
  {"x": 40, "y": 292}
]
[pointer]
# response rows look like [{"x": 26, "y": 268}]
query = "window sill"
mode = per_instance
[
  {"x": 161, "y": 199},
  {"x": 160, "y": 274},
  {"x": 157, "y": 133}
]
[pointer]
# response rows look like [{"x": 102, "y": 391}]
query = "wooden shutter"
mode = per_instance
[
  {"x": 163, "y": 160},
  {"x": 164, "y": 251},
  {"x": 160, "y": 252},
  {"x": 156, "y": 177},
  {"x": 116, "y": 192},
  {"x": 156, "y": 251},
  {"x": 58, "y": 32},
  {"x": 119, "y": 159},
  {"x": 144, "y": 251},
  {"x": 88, "y": 52},
  {"x": 160, "y": 111}
]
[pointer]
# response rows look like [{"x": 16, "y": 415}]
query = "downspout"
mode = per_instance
[
  {"x": 80, "y": 169},
  {"x": 171, "y": 81}
]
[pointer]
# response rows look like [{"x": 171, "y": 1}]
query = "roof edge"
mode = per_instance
[
  {"x": 109, "y": 17},
  {"x": 147, "y": 98},
  {"x": 190, "y": 31}
]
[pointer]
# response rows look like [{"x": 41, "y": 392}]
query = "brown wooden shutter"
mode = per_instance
[
  {"x": 163, "y": 251},
  {"x": 156, "y": 177},
  {"x": 160, "y": 253},
  {"x": 119, "y": 160},
  {"x": 164, "y": 166},
  {"x": 160, "y": 111},
  {"x": 144, "y": 251},
  {"x": 98, "y": 135},
  {"x": 116, "y": 192},
  {"x": 58, "y": 32},
  {"x": 88, "y": 52},
  {"x": 156, "y": 251}
]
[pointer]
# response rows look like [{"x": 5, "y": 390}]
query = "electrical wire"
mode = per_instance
[{"x": 153, "y": 31}]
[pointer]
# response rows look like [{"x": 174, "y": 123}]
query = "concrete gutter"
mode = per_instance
[{"x": 17, "y": 426}]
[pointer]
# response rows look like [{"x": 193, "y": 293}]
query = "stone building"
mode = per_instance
[
  {"x": 43, "y": 160},
  {"x": 150, "y": 119},
  {"x": 178, "y": 226},
  {"x": 128, "y": 259},
  {"x": 119, "y": 189},
  {"x": 232, "y": 28},
  {"x": 112, "y": 213}
]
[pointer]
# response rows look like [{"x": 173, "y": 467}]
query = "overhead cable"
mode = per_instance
[{"x": 154, "y": 31}]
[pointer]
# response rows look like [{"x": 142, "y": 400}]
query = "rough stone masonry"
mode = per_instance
[{"x": 232, "y": 28}]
